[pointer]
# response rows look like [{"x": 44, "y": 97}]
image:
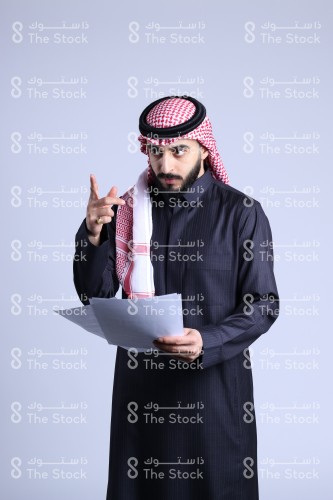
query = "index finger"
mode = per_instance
[
  {"x": 174, "y": 340},
  {"x": 93, "y": 188}
]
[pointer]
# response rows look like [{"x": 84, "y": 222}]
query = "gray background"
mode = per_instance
[{"x": 253, "y": 84}]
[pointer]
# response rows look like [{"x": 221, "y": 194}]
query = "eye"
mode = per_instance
[
  {"x": 179, "y": 150},
  {"x": 155, "y": 151}
]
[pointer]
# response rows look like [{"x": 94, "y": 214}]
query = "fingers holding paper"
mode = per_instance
[{"x": 186, "y": 347}]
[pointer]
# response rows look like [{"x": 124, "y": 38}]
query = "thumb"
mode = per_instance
[{"x": 113, "y": 192}]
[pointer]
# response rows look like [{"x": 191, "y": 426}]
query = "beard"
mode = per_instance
[{"x": 186, "y": 184}]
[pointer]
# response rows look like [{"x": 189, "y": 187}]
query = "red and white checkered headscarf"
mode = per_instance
[
  {"x": 134, "y": 220},
  {"x": 173, "y": 112}
]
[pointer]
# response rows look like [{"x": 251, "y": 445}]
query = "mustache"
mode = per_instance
[{"x": 168, "y": 176}]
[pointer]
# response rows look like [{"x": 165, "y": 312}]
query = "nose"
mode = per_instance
[{"x": 166, "y": 165}]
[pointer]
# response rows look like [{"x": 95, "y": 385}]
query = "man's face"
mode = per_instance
[{"x": 177, "y": 165}]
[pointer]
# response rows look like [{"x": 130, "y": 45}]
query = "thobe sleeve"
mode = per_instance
[
  {"x": 94, "y": 267},
  {"x": 257, "y": 293}
]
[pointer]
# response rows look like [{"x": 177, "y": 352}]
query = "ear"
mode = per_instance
[{"x": 204, "y": 152}]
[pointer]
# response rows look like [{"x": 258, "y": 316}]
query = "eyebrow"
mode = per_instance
[
  {"x": 171, "y": 145},
  {"x": 180, "y": 146}
]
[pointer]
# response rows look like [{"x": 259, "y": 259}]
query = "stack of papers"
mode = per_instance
[{"x": 130, "y": 322}]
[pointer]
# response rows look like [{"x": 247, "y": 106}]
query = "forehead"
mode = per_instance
[{"x": 186, "y": 142}]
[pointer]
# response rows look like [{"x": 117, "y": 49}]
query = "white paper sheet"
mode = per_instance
[{"x": 134, "y": 323}]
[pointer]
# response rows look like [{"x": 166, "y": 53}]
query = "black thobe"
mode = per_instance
[{"x": 226, "y": 278}]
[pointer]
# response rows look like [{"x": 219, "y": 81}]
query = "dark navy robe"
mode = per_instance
[{"x": 202, "y": 444}]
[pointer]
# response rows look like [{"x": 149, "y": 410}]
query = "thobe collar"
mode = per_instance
[{"x": 195, "y": 192}]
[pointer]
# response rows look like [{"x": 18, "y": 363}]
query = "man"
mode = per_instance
[{"x": 183, "y": 423}]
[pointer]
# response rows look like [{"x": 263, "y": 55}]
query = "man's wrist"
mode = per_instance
[{"x": 95, "y": 240}]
